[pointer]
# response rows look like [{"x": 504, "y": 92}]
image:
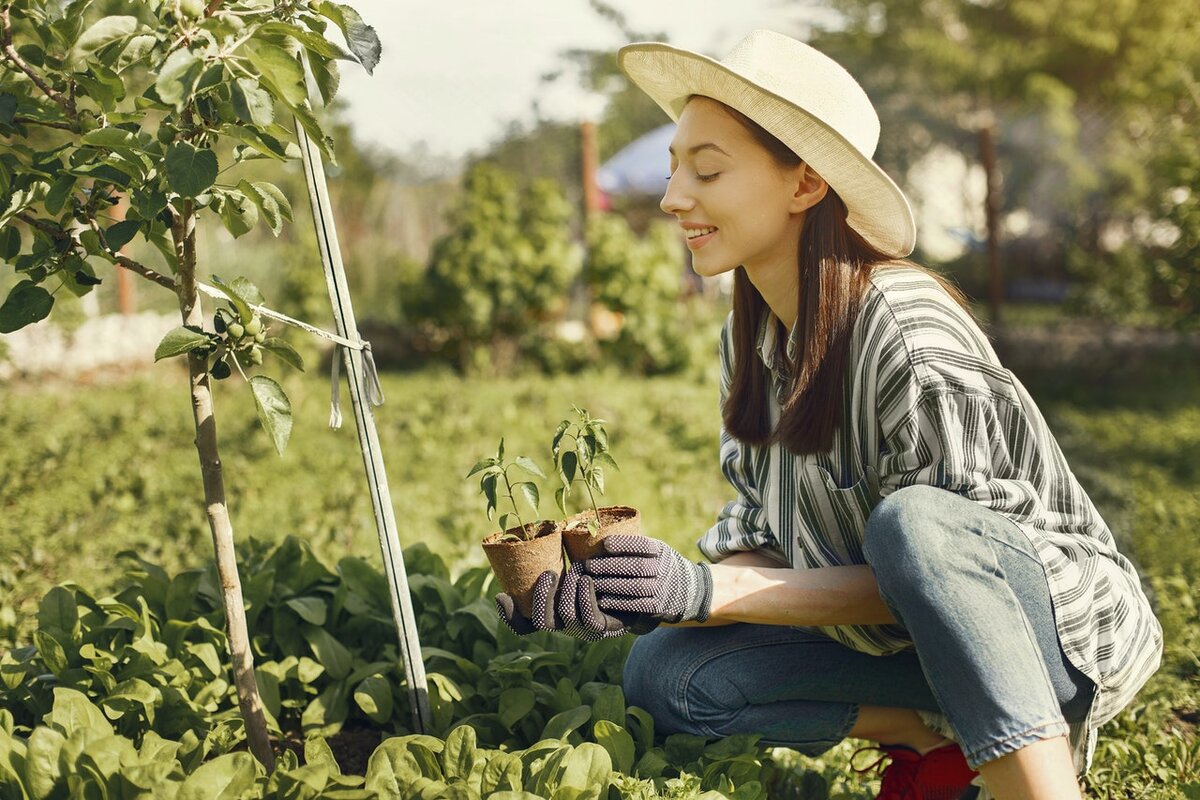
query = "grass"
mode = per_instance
[{"x": 91, "y": 469}]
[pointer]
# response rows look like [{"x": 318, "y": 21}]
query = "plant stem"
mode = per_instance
[
  {"x": 585, "y": 471},
  {"x": 184, "y": 234},
  {"x": 513, "y": 500}
]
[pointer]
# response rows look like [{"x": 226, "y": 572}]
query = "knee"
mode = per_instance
[
  {"x": 651, "y": 678},
  {"x": 904, "y": 541},
  {"x": 668, "y": 674}
]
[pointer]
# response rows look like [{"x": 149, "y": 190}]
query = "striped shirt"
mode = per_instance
[{"x": 927, "y": 402}]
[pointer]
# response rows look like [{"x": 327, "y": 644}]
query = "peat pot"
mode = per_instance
[
  {"x": 518, "y": 563},
  {"x": 581, "y": 543}
]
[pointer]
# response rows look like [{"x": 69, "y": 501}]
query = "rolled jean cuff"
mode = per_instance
[{"x": 993, "y": 750}]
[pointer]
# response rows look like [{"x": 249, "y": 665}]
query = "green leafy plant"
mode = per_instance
[
  {"x": 495, "y": 469},
  {"x": 582, "y": 460},
  {"x": 130, "y": 103}
]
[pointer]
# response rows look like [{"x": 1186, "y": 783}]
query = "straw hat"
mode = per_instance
[{"x": 807, "y": 101}]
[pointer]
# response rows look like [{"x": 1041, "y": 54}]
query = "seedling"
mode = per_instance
[
  {"x": 496, "y": 468},
  {"x": 582, "y": 461}
]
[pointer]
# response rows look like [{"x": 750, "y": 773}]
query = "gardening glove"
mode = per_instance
[
  {"x": 643, "y": 575},
  {"x": 567, "y": 604}
]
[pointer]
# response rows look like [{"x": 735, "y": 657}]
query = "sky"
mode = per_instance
[{"x": 453, "y": 75}]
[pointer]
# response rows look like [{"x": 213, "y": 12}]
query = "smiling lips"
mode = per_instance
[{"x": 698, "y": 235}]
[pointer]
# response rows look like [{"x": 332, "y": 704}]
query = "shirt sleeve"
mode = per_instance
[{"x": 742, "y": 523}]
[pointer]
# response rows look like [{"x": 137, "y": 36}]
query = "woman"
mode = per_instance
[{"x": 909, "y": 558}]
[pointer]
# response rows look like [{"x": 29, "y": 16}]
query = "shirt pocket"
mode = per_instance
[{"x": 835, "y": 516}]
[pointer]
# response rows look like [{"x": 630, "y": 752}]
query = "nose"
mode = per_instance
[{"x": 675, "y": 200}]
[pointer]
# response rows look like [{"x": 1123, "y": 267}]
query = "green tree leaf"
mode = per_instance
[
  {"x": 179, "y": 341},
  {"x": 274, "y": 412},
  {"x": 251, "y": 103},
  {"x": 284, "y": 351},
  {"x": 361, "y": 37},
  {"x": 190, "y": 170},
  {"x": 8, "y": 108},
  {"x": 240, "y": 302},
  {"x": 529, "y": 466},
  {"x": 279, "y": 72},
  {"x": 267, "y": 197},
  {"x": 178, "y": 77},
  {"x": 327, "y": 75},
  {"x": 374, "y": 697},
  {"x": 121, "y": 233},
  {"x": 238, "y": 212},
  {"x": 104, "y": 31},
  {"x": 26, "y": 304}
]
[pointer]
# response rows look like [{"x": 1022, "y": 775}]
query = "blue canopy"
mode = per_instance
[{"x": 640, "y": 167}]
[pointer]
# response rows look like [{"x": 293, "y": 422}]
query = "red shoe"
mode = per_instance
[{"x": 940, "y": 774}]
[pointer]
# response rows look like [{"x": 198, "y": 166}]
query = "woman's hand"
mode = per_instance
[
  {"x": 646, "y": 576},
  {"x": 567, "y": 604}
]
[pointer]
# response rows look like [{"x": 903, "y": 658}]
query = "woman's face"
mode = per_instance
[{"x": 735, "y": 203}]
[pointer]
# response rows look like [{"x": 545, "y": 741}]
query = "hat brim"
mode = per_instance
[{"x": 877, "y": 208}]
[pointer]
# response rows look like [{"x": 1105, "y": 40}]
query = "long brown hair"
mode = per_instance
[{"x": 835, "y": 265}]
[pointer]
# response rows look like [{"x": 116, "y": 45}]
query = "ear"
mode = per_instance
[{"x": 810, "y": 189}]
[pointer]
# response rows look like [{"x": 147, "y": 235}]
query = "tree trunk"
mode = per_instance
[{"x": 184, "y": 234}]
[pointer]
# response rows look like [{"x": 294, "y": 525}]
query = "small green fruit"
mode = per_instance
[
  {"x": 236, "y": 330},
  {"x": 256, "y": 355},
  {"x": 254, "y": 326},
  {"x": 260, "y": 337},
  {"x": 192, "y": 8}
]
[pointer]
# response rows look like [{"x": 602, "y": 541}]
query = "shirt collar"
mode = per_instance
[{"x": 768, "y": 346}]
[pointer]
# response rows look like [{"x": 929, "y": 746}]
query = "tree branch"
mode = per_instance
[
  {"x": 28, "y": 121},
  {"x": 11, "y": 54},
  {"x": 124, "y": 261}
]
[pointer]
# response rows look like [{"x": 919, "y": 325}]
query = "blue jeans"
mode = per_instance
[{"x": 970, "y": 590}]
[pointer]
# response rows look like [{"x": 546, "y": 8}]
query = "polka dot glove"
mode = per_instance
[
  {"x": 646, "y": 576},
  {"x": 567, "y": 604}
]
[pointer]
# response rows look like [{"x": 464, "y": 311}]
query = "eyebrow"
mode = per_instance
[{"x": 697, "y": 148}]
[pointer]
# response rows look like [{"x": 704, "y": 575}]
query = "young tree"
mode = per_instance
[{"x": 130, "y": 101}]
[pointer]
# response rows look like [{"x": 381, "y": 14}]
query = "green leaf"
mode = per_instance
[
  {"x": 327, "y": 75},
  {"x": 284, "y": 352},
  {"x": 42, "y": 765},
  {"x": 177, "y": 78},
  {"x": 459, "y": 756},
  {"x": 332, "y": 654},
  {"x": 311, "y": 40},
  {"x": 26, "y": 304},
  {"x": 8, "y": 108},
  {"x": 121, "y": 233},
  {"x": 238, "y": 212},
  {"x": 190, "y": 170},
  {"x": 245, "y": 313},
  {"x": 529, "y": 466},
  {"x": 530, "y": 492},
  {"x": 243, "y": 288},
  {"x": 312, "y": 610},
  {"x": 179, "y": 341},
  {"x": 605, "y": 458},
  {"x": 251, "y": 103},
  {"x": 58, "y": 614},
  {"x": 361, "y": 37},
  {"x": 609, "y": 704},
  {"x": 563, "y": 723},
  {"x": 587, "y": 768},
  {"x": 274, "y": 411},
  {"x": 374, "y": 697},
  {"x": 317, "y": 751},
  {"x": 569, "y": 463},
  {"x": 617, "y": 741},
  {"x": 51, "y": 651},
  {"x": 72, "y": 712},
  {"x": 503, "y": 771},
  {"x": 267, "y": 197},
  {"x": 481, "y": 464},
  {"x": 10, "y": 242},
  {"x": 229, "y": 777},
  {"x": 515, "y": 703},
  {"x": 104, "y": 31},
  {"x": 279, "y": 72}
]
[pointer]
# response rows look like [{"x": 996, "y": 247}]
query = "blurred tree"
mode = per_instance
[
  {"x": 502, "y": 270},
  {"x": 1097, "y": 106}
]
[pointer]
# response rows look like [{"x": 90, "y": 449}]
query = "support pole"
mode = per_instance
[{"x": 368, "y": 438}]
